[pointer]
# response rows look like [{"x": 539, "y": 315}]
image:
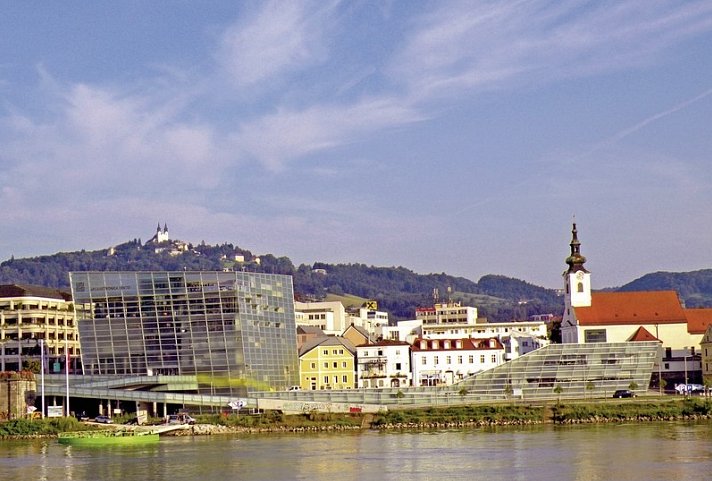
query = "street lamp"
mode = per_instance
[{"x": 687, "y": 391}]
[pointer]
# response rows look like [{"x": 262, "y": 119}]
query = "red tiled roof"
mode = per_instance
[
  {"x": 646, "y": 307},
  {"x": 466, "y": 344},
  {"x": 642, "y": 335},
  {"x": 698, "y": 320}
]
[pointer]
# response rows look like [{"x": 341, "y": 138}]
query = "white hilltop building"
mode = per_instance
[{"x": 161, "y": 242}]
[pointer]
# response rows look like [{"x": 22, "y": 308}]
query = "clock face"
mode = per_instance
[{"x": 579, "y": 275}]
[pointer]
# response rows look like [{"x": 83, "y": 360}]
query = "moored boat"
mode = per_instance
[{"x": 108, "y": 438}]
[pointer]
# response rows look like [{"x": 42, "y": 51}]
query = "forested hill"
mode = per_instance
[
  {"x": 694, "y": 288},
  {"x": 398, "y": 290}
]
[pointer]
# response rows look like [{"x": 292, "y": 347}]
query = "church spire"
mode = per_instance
[{"x": 575, "y": 260}]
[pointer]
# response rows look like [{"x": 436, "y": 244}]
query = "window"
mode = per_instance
[
  {"x": 326, "y": 379},
  {"x": 594, "y": 335},
  {"x": 471, "y": 359},
  {"x": 334, "y": 352},
  {"x": 336, "y": 364},
  {"x": 345, "y": 379},
  {"x": 326, "y": 352},
  {"x": 667, "y": 366},
  {"x": 579, "y": 288},
  {"x": 436, "y": 360},
  {"x": 494, "y": 358},
  {"x": 459, "y": 359},
  {"x": 448, "y": 360},
  {"x": 482, "y": 358},
  {"x": 336, "y": 379},
  {"x": 341, "y": 352},
  {"x": 398, "y": 366},
  {"x": 313, "y": 365},
  {"x": 343, "y": 364},
  {"x": 423, "y": 361},
  {"x": 326, "y": 365}
]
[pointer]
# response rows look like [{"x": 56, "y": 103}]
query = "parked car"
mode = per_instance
[
  {"x": 103, "y": 420},
  {"x": 180, "y": 419},
  {"x": 621, "y": 393},
  {"x": 294, "y": 388}
]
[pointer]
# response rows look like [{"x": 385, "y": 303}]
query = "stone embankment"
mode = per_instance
[
  {"x": 455, "y": 425},
  {"x": 634, "y": 419},
  {"x": 213, "y": 429}
]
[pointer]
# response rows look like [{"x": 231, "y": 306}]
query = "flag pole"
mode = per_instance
[
  {"x": 42, "y": 365},
  {"x": 66, "y": 367}
]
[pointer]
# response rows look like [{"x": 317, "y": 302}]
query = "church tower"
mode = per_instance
[
  {"x": 577, "y": 280},
  {"x": 162, "y": 235},
  {"x": 577, "y": 291}
]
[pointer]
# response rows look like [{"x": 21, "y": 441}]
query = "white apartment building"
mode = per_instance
[
  {"x": 517, "y": 344},
  {"x": 452, "y": 320},
  {"x": 437, "y": 362},
  {"x": 370, "y": 320},
  {"x": 383, "y": 364},
  {"x": 329, "y": 316},
  {"x": 406, "y": 331},
  {"x": 452, "y": 314}
]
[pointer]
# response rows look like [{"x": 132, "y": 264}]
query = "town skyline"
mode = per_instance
[{"x": 459, "y": 138}]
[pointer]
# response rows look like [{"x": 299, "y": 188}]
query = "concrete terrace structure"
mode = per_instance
[
  {"x": 34, "y": 315},
  {"x": 233, "y": 331}
]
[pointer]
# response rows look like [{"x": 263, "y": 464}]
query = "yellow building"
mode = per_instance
[{"x": 327, "y": 363}]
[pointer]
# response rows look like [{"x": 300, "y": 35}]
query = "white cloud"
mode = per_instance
[
  {"x": 483, "y": 46},
  {"x": 280, "y": 38},
  {"x": 286, "y": 135}
]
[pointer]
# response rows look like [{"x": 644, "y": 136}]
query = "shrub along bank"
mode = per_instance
[{"x": 430, "y": 418}]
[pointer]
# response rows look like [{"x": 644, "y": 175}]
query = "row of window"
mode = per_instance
[
  {"x": 448, "y": 359},
  {"x": 334, "y": 365},
  {"x": 335, "y": 352}
]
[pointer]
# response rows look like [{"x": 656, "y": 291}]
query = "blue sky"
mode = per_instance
[{"x": 457, "y": 137}]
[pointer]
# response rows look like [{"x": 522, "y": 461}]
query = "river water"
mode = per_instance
[{"x": 606, "y": 452}]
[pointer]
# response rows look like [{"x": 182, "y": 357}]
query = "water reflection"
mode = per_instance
[{"x": 644, "y": 452}]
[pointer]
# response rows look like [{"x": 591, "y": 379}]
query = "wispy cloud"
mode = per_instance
[
  {"x": 481, "y": 46},
  {"x": 286, "y": 135},
  {"x": 280, "y": 38}
]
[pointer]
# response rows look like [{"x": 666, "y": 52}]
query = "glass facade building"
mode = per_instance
[{"x": 234, "y": 330}]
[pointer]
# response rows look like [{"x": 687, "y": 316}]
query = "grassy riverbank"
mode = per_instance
[{"x": 637, "y": 410}]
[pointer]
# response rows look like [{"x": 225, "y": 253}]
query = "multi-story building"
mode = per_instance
[
  {"x": 370, "y": 318},
  {"x": 234, "y": 330},
  {"x": 517, "y": 344},
  {"x": 437, "y": 362},
  {"x": 383, "y": 364},
  {"x": 327, "y": 363},
  {"x": 444, "y": 321},
  {"x": 407, "y": 331},
  {"x": 329, "y": 316},
  {"x": 35, "y": 316},
  {"x": 449, "y": 314}
]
